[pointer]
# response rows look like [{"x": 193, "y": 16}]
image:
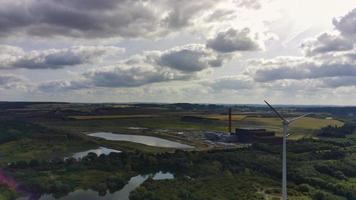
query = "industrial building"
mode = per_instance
[
  {"x": 256, "y": 136},
  {"x": 221, "y": 137},
  {"x": 243, "y": 135}
]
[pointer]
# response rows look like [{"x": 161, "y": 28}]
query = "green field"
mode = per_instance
[
  {"x": 28, "y": 149},
  {"x": 234, "y": 117},
  {"x": 310, "y": 123},
  {"x": 211, "y": 122},
  {"x": 89, "y": 117},
  {"x": 300, "y": 128},
  {"x": 34, "y": 140}
]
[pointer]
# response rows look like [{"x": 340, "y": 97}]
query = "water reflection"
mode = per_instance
[
  {"x": 99, "y": 151},
  {"x": 122, "y": 194},
  {"x": 147, "y": 140}
]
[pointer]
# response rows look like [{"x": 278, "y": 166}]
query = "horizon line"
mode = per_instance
[{"x": 148, "y": 102}]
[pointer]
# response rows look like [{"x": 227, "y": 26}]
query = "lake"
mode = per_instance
[
  {"x": 142, "y": 139},
  {"x": 122, "y": 194},
  {"x": 99, "y": 151}
]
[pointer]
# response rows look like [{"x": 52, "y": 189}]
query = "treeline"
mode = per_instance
[
  {"x": 341, "y": 111},
  {"x": 337, "y": 132},
  {"x": 11, "y": 130},
  {"x": 35, "y": 184},
  {"x": 330, "y": 165}
]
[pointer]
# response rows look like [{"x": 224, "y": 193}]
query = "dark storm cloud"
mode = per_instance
[
  {"x": 234, "y": 40},
  {"x": 14, "y": 57}
]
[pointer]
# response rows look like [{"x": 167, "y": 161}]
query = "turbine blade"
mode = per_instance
[
  {"x": 275, "y": 111},
  {"x": 294, "y": 119}
]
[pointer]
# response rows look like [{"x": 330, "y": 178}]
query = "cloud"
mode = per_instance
[
  {"x": 235, "y": 40},
  {"x": 326, "y": 42},
  {"x": 346, "y": 24},
  {"x": 115, "y": 76},
  {"x": 221, "y": 15},
  {"x": 239, "y": 82},
  {"x": 342, "y": 38},
  {"x": 251, "y": 4},
  {"x": 279, "y": 68},
  {"x": 329, "y": 60},
  {"x": 131, "y": 76},
  {"x": 14, "y": 57},
  {"x": 104, "y": 19},
  {"x": 186, "y": 58},
  {"x": 330, "y": 65},
  {"x": 184, "y": 11},
  {"x": 10, "y": 81},
  {"x": 335, "y": 82},
  {"x": 178, "y": 63},
  {"x": 246, "y": 83},
  {"x": 75, "y": 18},
  {"x": 9, "y": 55},
  {"x": 62, "y": 85},
  {"x": 190, "y": 58}
]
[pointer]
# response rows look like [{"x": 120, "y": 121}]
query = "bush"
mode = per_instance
[
  {"x": 115, "y": 183},
  {"x": 305, "y": 188}
]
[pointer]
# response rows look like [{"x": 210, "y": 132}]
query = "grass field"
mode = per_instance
[
  {"x": 174, "y": 121},
  {"x": 224, "y": 117},
  {"x": 88, "y": 117},
  {"x": 207, "y": 173},
  {"x": 304, "y": 123},
  {"x": 122, "y": 124},
  {"x": 303, "y": 127},
  {"x": 27, "y": 149},
  {"x": 210, "y": 122}
]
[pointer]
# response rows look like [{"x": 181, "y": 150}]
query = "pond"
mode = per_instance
[
  {"x": 122, "y": 194},
  {"x": 142, "y": 139},
  {"x": 99, "y": 151}
]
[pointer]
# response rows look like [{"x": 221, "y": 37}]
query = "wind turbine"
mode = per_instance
[{"x": 285, "y": 123}]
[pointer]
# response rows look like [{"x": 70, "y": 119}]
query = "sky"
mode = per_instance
[{"x": 169, "y": 51}]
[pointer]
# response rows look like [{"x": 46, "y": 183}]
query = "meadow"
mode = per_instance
[{"x": 34, "y": 139}]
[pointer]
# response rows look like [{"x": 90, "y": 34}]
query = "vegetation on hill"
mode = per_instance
[
  {"x": 337, "y": 132},
  {"x": 317, "y": 169},
  {"x": 34, "y": 139}
]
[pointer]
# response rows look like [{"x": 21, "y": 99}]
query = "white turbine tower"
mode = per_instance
[{"x": 285, "y": 123}]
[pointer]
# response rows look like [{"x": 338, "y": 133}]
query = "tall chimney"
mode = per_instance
[{"x": 229, "y": 120}]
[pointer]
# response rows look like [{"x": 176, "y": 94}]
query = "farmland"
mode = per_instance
[{"x": 36, "y": 137}]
